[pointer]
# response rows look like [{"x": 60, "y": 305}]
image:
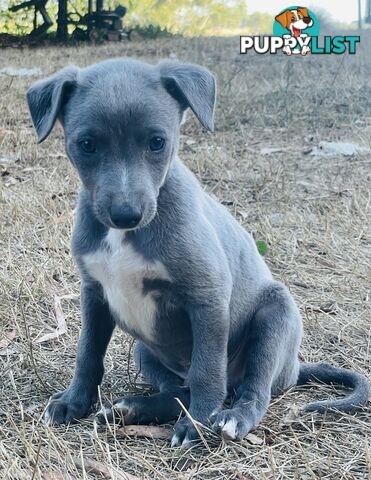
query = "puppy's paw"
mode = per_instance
[
  {"x": 231, "y": 424},
  {"x": 184, "y": 433},
  {"x": 157, "y": 408},
  {"x": 122, "y": 411},
  {"x": 67, "y": 407}
]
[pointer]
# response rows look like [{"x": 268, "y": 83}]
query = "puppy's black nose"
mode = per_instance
[
  {"x": 307, "y": 20},
  {"x": 125, "y": 216}
]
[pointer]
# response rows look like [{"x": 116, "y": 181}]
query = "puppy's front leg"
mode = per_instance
[
  {"x": 207, "y": 377},
  {"x": 97, "y": 327}
]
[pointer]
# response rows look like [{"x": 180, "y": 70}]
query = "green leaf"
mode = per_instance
[{"x": 262, "y": 247}]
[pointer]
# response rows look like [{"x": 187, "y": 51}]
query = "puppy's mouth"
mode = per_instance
[
  {"x": 104, "y": 218},
  {"x": 297, "y": 27}
]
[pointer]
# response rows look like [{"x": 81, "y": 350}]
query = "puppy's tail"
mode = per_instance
[{"x": 325, "y": 373}]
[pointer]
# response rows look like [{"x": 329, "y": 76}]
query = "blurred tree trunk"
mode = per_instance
[{"x": 62, "y": 32}]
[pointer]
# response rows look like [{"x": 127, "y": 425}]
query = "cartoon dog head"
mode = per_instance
[{"x": 295, "y": 20}]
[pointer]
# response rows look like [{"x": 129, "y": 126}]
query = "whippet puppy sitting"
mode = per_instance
[{"x": 167, "y": 263}]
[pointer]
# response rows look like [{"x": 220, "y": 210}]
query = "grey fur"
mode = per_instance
[{"x": 221, "y": 326}]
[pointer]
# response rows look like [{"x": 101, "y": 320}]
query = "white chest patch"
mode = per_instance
[{"x": 120, "y": 269}]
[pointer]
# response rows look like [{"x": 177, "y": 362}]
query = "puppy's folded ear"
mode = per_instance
[
  {"x": 284, "y": 18},
  {"x": 47, "y": 97},
  {"x": 303, "y": 11},
  {"x": 192, "y": 86}
]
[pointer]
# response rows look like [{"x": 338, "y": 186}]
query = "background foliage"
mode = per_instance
[{"x": 186, "y": 17}]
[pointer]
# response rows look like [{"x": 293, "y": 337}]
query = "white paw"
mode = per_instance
[
  {"x": 232, "y": 424},
  {"x": 186, "y": 441},
  {"x": 122, "y": 407},
  {"x": 47, "y": 418},
  {"x": 104, "y": 411},
  {"x": 175, "y": 441},
  {"x": 229, "y": 429},
  {"x": 119, "y": 411}
]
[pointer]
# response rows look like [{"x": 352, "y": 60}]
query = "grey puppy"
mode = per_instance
[{"x": 166, "y": 262}]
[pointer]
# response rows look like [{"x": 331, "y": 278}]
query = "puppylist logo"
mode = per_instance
[{"x": 296, "y": 32}]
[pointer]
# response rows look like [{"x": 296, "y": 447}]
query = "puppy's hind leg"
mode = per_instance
[
  {"x": 158, "y": 408},
  {"x": 273, "y": 341}
]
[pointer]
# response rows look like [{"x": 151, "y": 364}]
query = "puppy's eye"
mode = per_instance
[
  {"x": 88, "y": 145},
  {"x": 156, "y": 144}
]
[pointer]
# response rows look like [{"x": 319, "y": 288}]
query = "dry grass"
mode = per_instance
[{"x": 312, "y": 212}]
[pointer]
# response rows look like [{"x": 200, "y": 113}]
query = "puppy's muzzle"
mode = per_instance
[{"x": 125, "y": 216}]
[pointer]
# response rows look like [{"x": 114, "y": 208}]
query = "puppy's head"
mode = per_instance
[
  {"x": 295, "y": 20},
  {"x": 121, "y": 121}
]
